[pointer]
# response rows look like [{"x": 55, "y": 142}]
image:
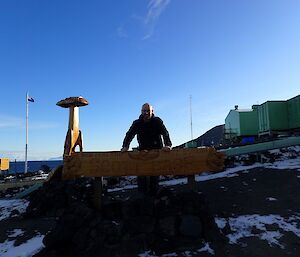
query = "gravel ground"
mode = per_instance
[{"x": 264, "y": 205}]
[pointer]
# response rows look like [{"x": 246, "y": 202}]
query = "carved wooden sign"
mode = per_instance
[
  {"x": 150, "y": 163},
  {"x": 74, "y": 135}
]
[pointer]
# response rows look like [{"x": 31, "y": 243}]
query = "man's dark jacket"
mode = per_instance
[{"x": 148, "y": 134}]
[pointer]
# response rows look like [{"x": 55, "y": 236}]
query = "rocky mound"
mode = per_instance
[{"x": 126, "y": 225}]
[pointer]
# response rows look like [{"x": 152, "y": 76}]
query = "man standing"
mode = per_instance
[{"x": 149, "y": 130}]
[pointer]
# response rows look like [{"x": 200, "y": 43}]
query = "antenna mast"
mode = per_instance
[{"x": 191, "y": 117}]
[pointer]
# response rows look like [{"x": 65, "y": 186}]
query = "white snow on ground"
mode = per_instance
[
  {"x": 147, "y": 254},
  {"x": 229, "y": 172},
  {"x": 169, "y": 255},
  {"x": 7, "y": 206},
  {"x": 205, "y": 248},
  {"x": 243, "y": 226},
  {"x": 15, "y": 233},
  {"x": 221, "y": 222},
  {"x": 27, "y": 249},
  {"x": 271, "y": 199},
  {"x": 284, "y": 164},
  {"x": 122, "y": 188},
  {"x": 173, "y": 182}
]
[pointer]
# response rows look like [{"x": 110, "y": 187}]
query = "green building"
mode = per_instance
[
  {"x": 293, "y": 106},
  {"x": 273, "y": 117},
  {"x": 269, "y": 118},
  {"x": 240, "y": 122}
]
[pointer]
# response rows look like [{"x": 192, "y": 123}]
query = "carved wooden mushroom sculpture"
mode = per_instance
[{"x": 74, "y": 135}]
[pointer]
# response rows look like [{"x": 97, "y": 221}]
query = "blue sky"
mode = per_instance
[{"x": 120, "y": 54}]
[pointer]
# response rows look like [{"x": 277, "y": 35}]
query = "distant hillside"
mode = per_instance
[
  {"x": 32, "y": 156},
  {"x": 212, "y": 137}
]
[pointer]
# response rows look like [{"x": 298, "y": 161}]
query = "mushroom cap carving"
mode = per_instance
[{"x": 73, "y": 102}]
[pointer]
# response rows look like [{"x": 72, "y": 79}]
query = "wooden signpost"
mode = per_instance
[
  {"x": 141, "y": 163},
  {"x": 183, "y": 161}
]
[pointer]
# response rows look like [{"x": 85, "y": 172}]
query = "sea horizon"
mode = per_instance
[{"x": 19, "y": 166}]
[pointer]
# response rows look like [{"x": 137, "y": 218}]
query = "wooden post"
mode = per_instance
[
  {"x": 192, "y": 184},
  {"x": 98, "y": 186}
]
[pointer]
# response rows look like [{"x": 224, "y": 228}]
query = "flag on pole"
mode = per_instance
[{"x": 30, "y": 99}]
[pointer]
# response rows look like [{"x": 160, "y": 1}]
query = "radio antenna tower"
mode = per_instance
[{"x": 191, "y": 117}]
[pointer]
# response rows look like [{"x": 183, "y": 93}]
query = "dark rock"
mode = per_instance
[
  {"x": 138, "y": 205},
  {"x": 123, "y": 227},
  {"x": 62, "y": 233},
  {"x": 24, "y": 238},
  {"x": 134, "y": 244},
  {"x": 94, "y": 246},
  {"x": 129, "y": 209},
  {"x": 113, "y": 209},
  {"x": 46, "y": 253},
  {"x": 112, "y": 231},
  {"x": 146, "y": 206},
  {"x": 82, "y": 212},
  {"x": 167, "y": 206},
  {"x": 167, "y": 226},
  {"x": 93, "y": 233},
  {"x": 272, "y": 227},
  {"x": 57, "y": 195},
  {"x": 95, "y": 221},
  {"x": 163, "y": 245},
  {"x": 112, "y": 181},
  {"x": 164, "y": 191},
  {"x": 190, "y": 226},
  {"x": 255, "y": 230},
  {"x": 80, "y": 237},
  {"x": 14, "y": 213},
  {"x": 227, "y": 229},
  {"x": 141, "y": 224}
]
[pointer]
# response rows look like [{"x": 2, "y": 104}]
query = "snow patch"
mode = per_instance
[
  {"x": 15, "y": 233},
  {"x": 147, "y": 254},
  {"x": 206, "y": 248},
  {"x": 221, "y": 222},
  {"x": 122, "y": 188},
  {"x": 271, "y": 199},
  {"x": 228, "y": 173},
  {"x": 187, "y": 254},
  {"x": 7, "y": 206},
  {"x": 29, "y": 248},
  {"x": 285, "y": 164},
  {"x": 169, "y": 255},
  {"x": 243, "y": 226}
]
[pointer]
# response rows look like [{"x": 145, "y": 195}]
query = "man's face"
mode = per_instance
[{"x": 147, "y": 111}]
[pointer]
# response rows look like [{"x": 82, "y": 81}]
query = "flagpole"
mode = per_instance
[{"x": 26, "y": 146}]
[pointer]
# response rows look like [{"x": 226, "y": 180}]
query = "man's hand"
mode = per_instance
[
  {"x": 124, "y": 149},
  {"x": 167, "y": 148}
]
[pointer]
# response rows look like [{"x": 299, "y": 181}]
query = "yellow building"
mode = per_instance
[{"x": 4, "y": 164}]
